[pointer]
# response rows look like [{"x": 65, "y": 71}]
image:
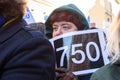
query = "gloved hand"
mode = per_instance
[{"x": 64, "y": 74}]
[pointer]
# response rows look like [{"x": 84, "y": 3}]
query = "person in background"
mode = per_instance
[
  {"x": 39, "y": 26},
  {"x": 111, "y": 71},
  {"x": 24, "y": 53},
  {"x": 64, "y": 19}
]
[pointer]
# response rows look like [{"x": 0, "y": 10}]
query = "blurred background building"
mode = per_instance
[{"x": 99, "y": 13}]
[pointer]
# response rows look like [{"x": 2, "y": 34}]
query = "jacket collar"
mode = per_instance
[
  {"x": 10, "y": 29},
  {"x": 2, "y": 20}
]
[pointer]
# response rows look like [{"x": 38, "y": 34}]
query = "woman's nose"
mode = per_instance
[{"x": 59, "y": 32}]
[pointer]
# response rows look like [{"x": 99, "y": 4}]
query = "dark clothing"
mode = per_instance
[
  {"x": 84, "y": 77},
  {"x": 25, "y": 54},
  {"x": 107, "y": 72}
]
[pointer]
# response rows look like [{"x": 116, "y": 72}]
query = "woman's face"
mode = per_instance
[{"x": 62, "y": 27}]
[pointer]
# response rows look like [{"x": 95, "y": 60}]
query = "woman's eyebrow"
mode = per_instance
[
  {"x": 54, "y": 25},
  {"x": 64, "y": 24}
]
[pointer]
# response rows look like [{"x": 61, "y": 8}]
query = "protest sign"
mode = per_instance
[
  {"x": 28, "y": 17},
  {"x": 82, "y": 52}
]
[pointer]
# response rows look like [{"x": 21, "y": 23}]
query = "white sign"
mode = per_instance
[{"x": 83, "y": 52}]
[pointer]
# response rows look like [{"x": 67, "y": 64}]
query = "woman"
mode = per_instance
[
  {"x": 66, "y": 14},
  {"x": 111, "y": 71},
  {"x": 62, "y": 20}
]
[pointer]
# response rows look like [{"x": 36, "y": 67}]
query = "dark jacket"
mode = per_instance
[
  {"x": 107, "y": 72},
  {"x": 25, "y": 54},
  {"x": 72, "y": 8}
]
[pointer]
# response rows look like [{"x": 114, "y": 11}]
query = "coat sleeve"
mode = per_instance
[
  {"x": 34, "y": 59},
  {"x": 94, "y": 77}
]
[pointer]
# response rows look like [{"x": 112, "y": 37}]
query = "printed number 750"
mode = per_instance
[{"x": 81, "y": 52}]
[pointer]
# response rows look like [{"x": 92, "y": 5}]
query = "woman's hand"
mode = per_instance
[{"x": 64, "y": 74}]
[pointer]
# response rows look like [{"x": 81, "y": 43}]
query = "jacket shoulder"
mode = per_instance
[
  {"x": 104, "y": 73},
  {"x": 31, "y": 32}
]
